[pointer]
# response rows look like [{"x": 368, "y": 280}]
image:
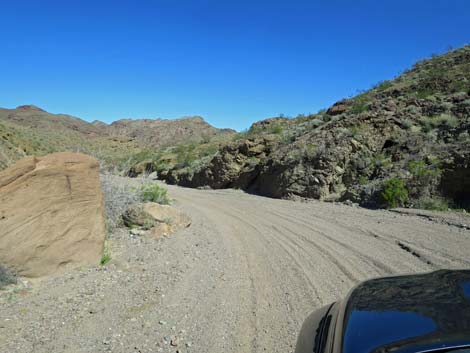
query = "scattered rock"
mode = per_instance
[
  {"x": 137, "y": 232},
  {"x": 174, "y": 342}
]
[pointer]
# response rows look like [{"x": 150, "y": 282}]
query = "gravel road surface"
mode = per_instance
[{"x": 242, "y": 278}]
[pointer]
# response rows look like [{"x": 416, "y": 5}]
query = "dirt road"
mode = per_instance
[{"x": 242, "y": 278}]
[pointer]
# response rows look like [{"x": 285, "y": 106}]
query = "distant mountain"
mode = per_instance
[
  {"x": 30, "y": 130},
  {"x": 160, "y": 132},
  {"x": 35, "y": 117}
]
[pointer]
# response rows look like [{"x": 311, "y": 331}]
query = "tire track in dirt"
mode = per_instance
[{"x": 241, "y": 279}]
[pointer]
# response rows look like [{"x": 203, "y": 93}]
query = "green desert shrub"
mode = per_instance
[
  {"x": 394, "y": 193},
  {"x": 209, "y": 150},
  {"x": 185, "y": 154},
  {"x": 357, "y": 131},
  {"x": 382, "y": 161},
  {"x": 276, "y": 128},
  {"x": 6, "y": 276},
  {"x": 448, "y": 120},
  {"x": 363, "y": 180},
  {"x": 106, "y": 256},
  {"x": 442, "y": 120},
  {"x": 407, "y": 124},
  {"x": 154, "y": 193},
  {"x": 423, "y": 93},
  {"x": 382, "y": 85},
  {"x": 360, "y": 104},
  {"x": 422, "y": 171},
  {"x": 433, "y": 203}
]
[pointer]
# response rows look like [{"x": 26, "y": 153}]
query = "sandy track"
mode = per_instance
[{"x": 242, "y": 278}]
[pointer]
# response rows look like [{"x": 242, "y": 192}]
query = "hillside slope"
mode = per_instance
[
  {"x": 37, "y": 118},
  {"x": 160, "y": 132},
  {"x": 29, "y": 130},
  {"x": 403, "y": 142}
]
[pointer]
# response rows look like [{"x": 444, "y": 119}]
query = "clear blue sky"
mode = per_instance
[{"x": 232, "y": 61}]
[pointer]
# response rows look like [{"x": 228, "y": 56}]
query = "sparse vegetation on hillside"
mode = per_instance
[
  {"x": 350, "y": 150},
  {"x": 345, "y": 152}
]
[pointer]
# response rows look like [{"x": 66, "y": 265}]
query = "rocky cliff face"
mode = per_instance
[{"x": 404, "y": 142}]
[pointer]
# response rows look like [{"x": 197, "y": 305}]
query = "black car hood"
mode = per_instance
[{"x": 408, "y": 313}]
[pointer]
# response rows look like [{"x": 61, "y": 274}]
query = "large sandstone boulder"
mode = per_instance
[
  {"x": 51, "y": 214},
  {"x": 169, "y": 219}
]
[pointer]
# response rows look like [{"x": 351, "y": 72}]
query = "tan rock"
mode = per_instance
[
  {"x": 169, "y": 218},
  {"x": 51, "y": 214},
  {"x": 162, "y": 229}
]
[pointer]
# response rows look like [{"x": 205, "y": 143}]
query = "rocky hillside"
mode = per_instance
[
  {"x": 34, "y": 117},
  {"x": 403, "y": 142},
  {"x": 29, "y": 130},
  {"x": 160, "y": 132}
]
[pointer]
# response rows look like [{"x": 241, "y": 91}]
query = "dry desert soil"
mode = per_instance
[{"x": 241, "y": 278}]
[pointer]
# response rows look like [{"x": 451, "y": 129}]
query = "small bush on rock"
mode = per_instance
[{"x": 394, "y": 193}]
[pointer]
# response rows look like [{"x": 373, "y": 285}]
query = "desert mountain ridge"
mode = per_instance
[
  {"x": 30, "y": 130},
  {"x": 33, "y": 116}
]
